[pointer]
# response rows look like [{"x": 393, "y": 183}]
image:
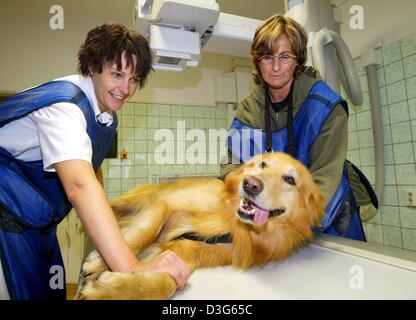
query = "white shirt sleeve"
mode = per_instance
[{"x": 62, "y": 131}]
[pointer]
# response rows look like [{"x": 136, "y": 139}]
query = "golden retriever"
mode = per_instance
[{"x": 267, "y": 208}]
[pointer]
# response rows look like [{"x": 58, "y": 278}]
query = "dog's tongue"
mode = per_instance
[{"x": 260, "y": 215}]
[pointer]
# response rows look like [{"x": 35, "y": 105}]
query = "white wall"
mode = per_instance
[
  {"x": 385, "y": 20},
  {"x": 31, "y": 53}
]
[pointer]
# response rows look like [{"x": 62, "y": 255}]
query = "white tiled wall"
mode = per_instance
[
  {"x": 395, "y": 225},
  {"x": 138, "y": 124}
]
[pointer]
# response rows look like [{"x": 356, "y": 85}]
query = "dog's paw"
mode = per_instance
[
  {"x": 93, "y": 266},
  {"x": 129, "y": 286},
  {"x": 94, "y": 289}
]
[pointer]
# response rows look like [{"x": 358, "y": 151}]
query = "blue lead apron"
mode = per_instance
[{"x": 33, "y": 202}]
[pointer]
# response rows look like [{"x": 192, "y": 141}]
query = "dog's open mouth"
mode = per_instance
[{"x": 248, "y": 210}]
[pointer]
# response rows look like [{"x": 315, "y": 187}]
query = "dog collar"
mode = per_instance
[
  {"x": 225, "y": 238},
  {"x": 276, "y": 212}
]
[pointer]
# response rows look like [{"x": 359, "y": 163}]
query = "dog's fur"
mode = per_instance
[{"x": 153, "y": 217}]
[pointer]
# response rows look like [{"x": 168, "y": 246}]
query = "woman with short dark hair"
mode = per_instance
[{"x": 54, "y": 139}]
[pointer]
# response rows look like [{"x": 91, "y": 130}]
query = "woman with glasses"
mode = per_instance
[{"x": 290, "y": 109}]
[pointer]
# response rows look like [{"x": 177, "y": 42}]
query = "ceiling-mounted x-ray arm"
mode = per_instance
[
  {"x": 323, "y": 40},
  {"x": 179, "y": 29},
  {"x": 147, "y": 7}
]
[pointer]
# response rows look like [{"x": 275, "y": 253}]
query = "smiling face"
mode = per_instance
[
  {"x": 279, "y": 75},
  {"x": 113, "y": 87}
]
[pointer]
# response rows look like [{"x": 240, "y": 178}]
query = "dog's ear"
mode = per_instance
[
  {"x": 312, "y": 198},
  {"x": 314, "y": 203}
]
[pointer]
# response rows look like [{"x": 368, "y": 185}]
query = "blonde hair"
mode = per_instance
[{"x": 266, "y": 38}]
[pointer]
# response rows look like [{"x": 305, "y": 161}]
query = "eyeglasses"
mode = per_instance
[{"x": 283, "y": 58}]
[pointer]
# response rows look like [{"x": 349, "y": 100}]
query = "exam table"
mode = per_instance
[{"x": 328, "y": 268}]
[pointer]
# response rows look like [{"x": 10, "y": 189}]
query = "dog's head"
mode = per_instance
[{"x": 276, "y": 187}]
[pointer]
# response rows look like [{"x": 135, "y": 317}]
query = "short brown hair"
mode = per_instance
[
  {"x": 107, "y": 43},
  {"x": 265, "y": 42}
]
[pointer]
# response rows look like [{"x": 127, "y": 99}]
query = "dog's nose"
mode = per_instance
[{"x": 252, "y": 185}]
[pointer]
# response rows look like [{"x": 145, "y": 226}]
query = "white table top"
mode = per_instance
[{"x": 313, "y": 272}]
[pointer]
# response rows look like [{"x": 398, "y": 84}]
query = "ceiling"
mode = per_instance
[{"x": 122, "y": 10}]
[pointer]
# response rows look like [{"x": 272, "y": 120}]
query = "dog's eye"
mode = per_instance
[
  {"x": 263, "y": 165},
  {"x": 290, "y": 180}
]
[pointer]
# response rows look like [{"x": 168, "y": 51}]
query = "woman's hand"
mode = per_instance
[{"x": 169, "y": 262}]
